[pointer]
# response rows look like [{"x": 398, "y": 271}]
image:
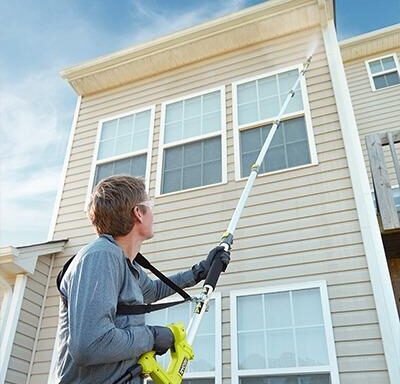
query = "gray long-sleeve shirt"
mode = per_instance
[{"x": 95, "y": 344}]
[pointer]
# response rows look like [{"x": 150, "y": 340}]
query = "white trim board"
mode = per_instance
[{"x": 375, "y": 254}]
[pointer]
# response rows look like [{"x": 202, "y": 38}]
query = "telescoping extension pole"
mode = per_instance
[
  {"x": 227, "y": 237},
  {"x": 182, "y": 352}
]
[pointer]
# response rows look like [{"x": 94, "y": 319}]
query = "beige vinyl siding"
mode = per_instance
[
  {"x": 29, "y": 320},
  {"x": 298, "y": 225},
  {"x": 377, "y": 111}
]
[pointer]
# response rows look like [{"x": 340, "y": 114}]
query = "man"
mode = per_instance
[{"x": 97, "y": 345}]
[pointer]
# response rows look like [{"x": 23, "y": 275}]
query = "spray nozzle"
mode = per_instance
[{"x": 306, "y": 64}]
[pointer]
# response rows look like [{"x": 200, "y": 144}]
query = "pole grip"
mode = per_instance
[{"x": 213, "y": 274}]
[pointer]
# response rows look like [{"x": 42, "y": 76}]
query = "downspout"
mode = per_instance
[
  {"x": 11, "y": 324},
  {"x": 375, "y": 254}
]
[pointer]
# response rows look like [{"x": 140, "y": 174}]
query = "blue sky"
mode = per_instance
[{"x": 38, "y": 39}]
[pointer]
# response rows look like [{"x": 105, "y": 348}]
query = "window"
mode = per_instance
[
  {"x": 124, "y": 146},
  {"x": 206, "y": 366},
  {"x": 383, "y": 72},
  {"x": 192, "y": 143},
  {"x": 257, "y": 102},
  {"x": 283, "y": 335}
]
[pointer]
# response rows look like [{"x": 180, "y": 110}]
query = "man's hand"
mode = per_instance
[
  {"x": 163, "y": 339},
  {"x": 200, "y": 270}
]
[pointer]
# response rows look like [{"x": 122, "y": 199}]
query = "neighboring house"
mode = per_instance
[{"x": 308, "y": 293}]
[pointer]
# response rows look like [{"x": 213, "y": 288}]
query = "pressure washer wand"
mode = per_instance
[{"x": 227, "y": 237}]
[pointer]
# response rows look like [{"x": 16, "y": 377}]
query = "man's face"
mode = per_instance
[{"x": 147, "y": 230}]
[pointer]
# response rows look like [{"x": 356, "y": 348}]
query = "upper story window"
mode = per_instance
[
  {"x": 257, "y": 102},
  {"x": 206, "y": 366},
  {"x": 383, "y": 72},
  {"x": 290, "y": 339},
  {"x": 124, "y": 146},
  {"x": 192, "y": 150}
]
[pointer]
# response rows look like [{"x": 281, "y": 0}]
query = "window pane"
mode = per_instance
[
  {"x": 310, "y": 299},
  {"x": 212, "y": 172},
  {"x": 172, "y": 181},
  {"x": 280, "y": 346},
  {"x": 192, "y": 127},
  {"x": 192, "y": 107},
  {"x": 392, "y": 78},
  {"x": 125, "y": 126},
  {"x": 246, "y": 305},
  {"x": 247, "y": 92},
  {"x": 380, "y": 82},
  {"x": 174, "y": 112},
  {"x": 278, "y": 138},
  {"x": 248, "y": 159},
  {"x": 123, "y": 145},
  {"x": 199, "y": 166},
  {"x": 173, "y": 132},
  {"x": 250, "y": 140},
  {"x": 251, "y": 350},
  {"x": 137, "y": 167},
  {"x": 198, "y": 381},
  {"x": 277, "y": 310},
  {"x": 295, "y": 103},
  {"x": 248, "y": 113},
  {"x": 142, "y": 121},
  {"x": 204, "y": 351},
  {"x": 106, "y": 149},
  {"x": 211, "y": 102},
  {"x": 269, "y": 107},
  {"x": 179, "y": 313},
  {"x": 211, "y": 122},
  {"x": 207, "y": 324},
  {"x": 267, "y": 87},
  {"x": 298, "y": 154},
  {"x": 212, "y": 149},
  {"x": 140, "y": 141},
  {"x": 295, "y": 129},
  {"x": 287, "y": 80},
  {"x": 292, "y": 379},
  {"x": 192, "y": 153},
  {"x": 192, "y": 177},
  {"x": 173, "y": 158},
  {"x": 109, "y": 130},
  {"x": 275, "y": 159},
  {"x": 375, "y": 66},
  {"x": 388, "y": 63},
  {"x": 311, "y": 346}
]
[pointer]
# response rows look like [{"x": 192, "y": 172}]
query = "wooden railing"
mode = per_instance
[{"x": 382, "y": 186}]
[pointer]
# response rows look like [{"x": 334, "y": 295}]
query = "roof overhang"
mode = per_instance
[
  {"x": 371, "y": 43},
  {"x": 250, "y": 26},
  {"x": 16, "y": 260}
]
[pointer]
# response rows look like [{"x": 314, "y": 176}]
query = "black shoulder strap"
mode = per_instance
[{"x": 137, "y": 309}]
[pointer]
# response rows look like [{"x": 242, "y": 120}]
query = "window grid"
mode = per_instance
[
  {"x": 221, "y": 133},
  {"x": 329, "y": 371},
  {"x": 384, "y": 72},
  {"x": 112, "y": 160},
  {"x": 301, "y": 112}
]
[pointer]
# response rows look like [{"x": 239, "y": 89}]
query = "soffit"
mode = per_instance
[{"x": 267, "y": 21}]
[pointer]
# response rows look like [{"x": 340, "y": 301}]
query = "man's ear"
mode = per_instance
[{"x": 137, "y": 214}]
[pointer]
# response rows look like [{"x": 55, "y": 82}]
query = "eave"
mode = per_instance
[
  {"x": 250, "y": 26},
  {"x": 372, "y": 43}
]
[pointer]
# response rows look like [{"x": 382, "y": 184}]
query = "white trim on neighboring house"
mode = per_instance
[
  {"x": 5, "y": 305},
  {"x": 147, "y": 151},
  {"x": 304, "y": 112},
  {"x": 11, "y": 325},
  {"x": 375, "y": 254},
  {"x": 331, "y": 368},
  {"x": 222, "y": 133},
  {"x": 63, "y": 176},
  {"x": 372, "y": 75}
]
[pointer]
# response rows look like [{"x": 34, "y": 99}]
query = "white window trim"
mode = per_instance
[
  {"x": 148, "y": 150},
  {"x": 305, "y": 112},
  {"x": 217, "y": 374},
  {"x": 371, "y": 76},
  {"x": 221, "y": 133},
  {"x": 332, "y": 368}
]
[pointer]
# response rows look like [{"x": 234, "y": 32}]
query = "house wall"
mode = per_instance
[
  {"x": 24, "y": 345},
  {"x": 298, "y": 225},
  {"x": 375, "y": 111}
]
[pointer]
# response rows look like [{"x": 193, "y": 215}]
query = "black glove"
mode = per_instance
[
  {"x": 200, "y": 270},
  {"x": 163, "y": 339}
]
